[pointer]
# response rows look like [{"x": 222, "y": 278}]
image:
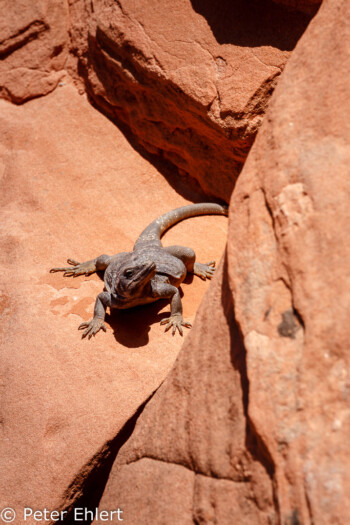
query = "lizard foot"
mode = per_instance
[
  {"x": 92, "y": 327},
  {"x": 175, "y": 321},
  {"x": 76, "y": 268},
  {"x": 204, "y": 271}
]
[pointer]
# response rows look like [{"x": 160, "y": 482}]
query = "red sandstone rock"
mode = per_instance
[
  {"x": 289, "y": 269},
  {"x": 73, "y": 186},
  {"x": 191, "y": 80},
  {"x": 192, "y": 457},
  {"x": 252, "y": 423},
  {"x": 33, "y": 47},
  {"x": 213, "y": 69}
]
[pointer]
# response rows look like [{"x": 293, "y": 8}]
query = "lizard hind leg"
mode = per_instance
[
  {"x": 188, "y": 257},
  {"x": 185, "y": 254}
]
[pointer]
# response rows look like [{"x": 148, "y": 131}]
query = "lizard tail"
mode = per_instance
[{"x": 155, "y": 230}]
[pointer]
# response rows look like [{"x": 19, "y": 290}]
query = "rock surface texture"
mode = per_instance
[
  {"x": 190, "y": 79},
  {"x": 290, "y": 274},
  {"x": 72, "y": 186},
  {"x": 192, "y": 439},
  {"x": 252, "y": 424},
  {"x": 33, "y": 47}
]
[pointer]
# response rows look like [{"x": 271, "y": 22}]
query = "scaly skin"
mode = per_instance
[{"x": 149, "y": 273}]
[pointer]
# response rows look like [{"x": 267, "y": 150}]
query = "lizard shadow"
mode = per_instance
[{"x": 131, "y": 327}]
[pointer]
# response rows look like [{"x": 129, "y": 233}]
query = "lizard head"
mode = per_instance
[{"x": 129, "y": 276}]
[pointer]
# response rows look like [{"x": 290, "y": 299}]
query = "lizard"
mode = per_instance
[{"x": 149, "y": 273}]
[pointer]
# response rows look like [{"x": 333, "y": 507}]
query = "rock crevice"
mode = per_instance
[{"x": 190, "y": 81}]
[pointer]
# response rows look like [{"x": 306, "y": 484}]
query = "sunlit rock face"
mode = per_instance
[{"x": 190, "y": 80}]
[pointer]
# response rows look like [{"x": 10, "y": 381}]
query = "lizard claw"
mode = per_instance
[
  {"x": 75, "y": 269},
  {"x": 92, "y": 327},
  {"x": 204, "y": 271},
  {"x": 175, "y": 321}
]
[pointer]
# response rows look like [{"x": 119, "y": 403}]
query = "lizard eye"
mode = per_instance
[{"x": 128, "y": 273}]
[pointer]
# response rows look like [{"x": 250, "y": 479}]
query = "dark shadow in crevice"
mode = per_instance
[
  {"x": 119, "y": 105},
  {"x": 243, "y": 23},
  {"x": 254, "y": 443},
  {"x": 185, "y": 185},
  {"x": 87, "y": 488},
  {"x": 253, "y": 23}
]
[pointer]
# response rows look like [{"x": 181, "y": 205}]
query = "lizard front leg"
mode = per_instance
[
  {"x": 97, "y": 323},
  {"x": 85, "y": 268},
  {"x": 175, "y": 321}
]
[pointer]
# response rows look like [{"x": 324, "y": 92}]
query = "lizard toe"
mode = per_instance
[{"x": 176, "y": 322}]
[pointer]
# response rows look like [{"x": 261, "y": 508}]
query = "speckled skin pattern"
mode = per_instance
[{"x": 148, "y": 273}]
